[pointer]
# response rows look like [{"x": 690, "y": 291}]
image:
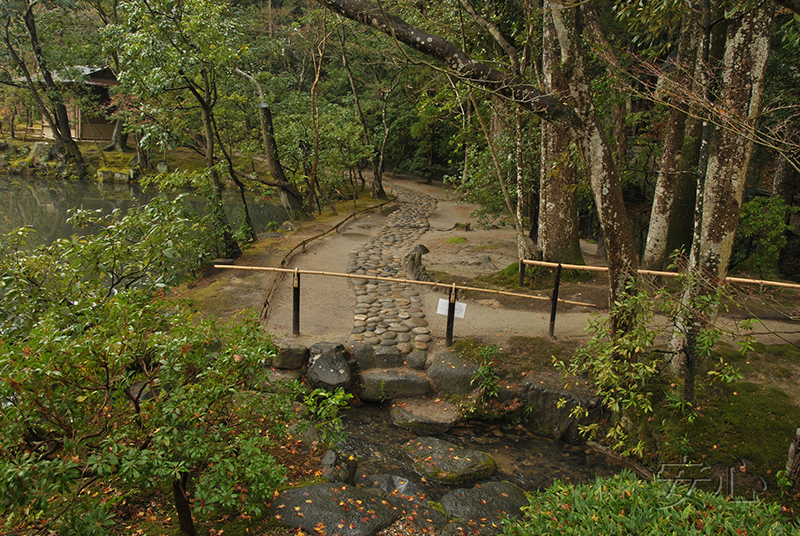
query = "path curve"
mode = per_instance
[{"x": 338, "y": 310}]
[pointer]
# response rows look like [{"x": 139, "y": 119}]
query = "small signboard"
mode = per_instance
[{"x": 461, "y": 308}]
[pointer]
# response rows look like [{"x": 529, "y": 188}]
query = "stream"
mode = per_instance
[{"x": 530, "y": 461}]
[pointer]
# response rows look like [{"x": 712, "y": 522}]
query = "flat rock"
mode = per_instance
[
  {"x": 342, "y": 509},
  {"x": 424, "y": 416},
  {"x": 480, "y": 510},
  {"x": 408, "y": 498},
  {"x": 380, "y": 385},
  {"x": 444, "y": 462},
  {"x": 451, "y": 374}
]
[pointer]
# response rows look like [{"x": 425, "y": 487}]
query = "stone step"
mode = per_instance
[{"x": 424, "y": 415}]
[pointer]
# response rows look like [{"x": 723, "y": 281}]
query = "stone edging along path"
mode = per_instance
[{"x": 387, "y": 313}]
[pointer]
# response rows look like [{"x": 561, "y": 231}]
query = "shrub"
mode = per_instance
[{"x": 623, "y": 504}]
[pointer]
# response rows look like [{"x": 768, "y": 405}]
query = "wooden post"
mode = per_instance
[
  {"x": 521, "y": 273},
  {"x": 296, "y": 304},
  {"x": 451, "y": 314},
  {"x": 554, "y": 304}
]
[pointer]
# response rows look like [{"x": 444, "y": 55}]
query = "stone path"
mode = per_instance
[{"x": 389, "y": 313}]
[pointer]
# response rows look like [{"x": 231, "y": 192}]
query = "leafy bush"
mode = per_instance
[
  {"x": 101, "y": 384},
  {"x": 623, "y": 504}
]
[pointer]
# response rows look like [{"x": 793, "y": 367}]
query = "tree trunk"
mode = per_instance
[
  {"x": 729, "y": 155},
  {"x": 379, "y": 160},
  {"x": 588, "y": 134},
  {"x": 558, "y": 236},
  {"x": 669, "y": 173},
  {"x": 681, "y": 219},
  {"x": 744, "y": 66},
  {"x": 119, "y": 138},
  {"x": 60, "y": 127},
  {"x": 290, "y": 197},
  {"x": 182, "y": 505},
  {"x": 230, "y": 248}
]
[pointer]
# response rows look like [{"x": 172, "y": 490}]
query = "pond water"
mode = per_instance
[
  {"x": 523, "y": 458},
  {"x": 44, "y": 204}
]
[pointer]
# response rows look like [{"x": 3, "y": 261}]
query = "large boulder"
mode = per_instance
[
  {"x": 444, "y": 462},
  {"x": 329, "y": 368},
  {"x": 341, "y": 509},
  {"x": 364, "y": 354},
  {"x": 451, "y": 374},
  {"x": 549, "y": 411},
  {"x": 338, "y": 467},
  {"x": 480, "y": 510},
  {"x": 379, "y": 385}
]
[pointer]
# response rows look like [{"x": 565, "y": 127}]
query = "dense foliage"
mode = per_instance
[
  {"x": 624, "y": 504},
  {"x": 106, "y": 389}
]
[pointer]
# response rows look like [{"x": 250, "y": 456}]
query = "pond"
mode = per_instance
[{"x": 44, "y": 204}]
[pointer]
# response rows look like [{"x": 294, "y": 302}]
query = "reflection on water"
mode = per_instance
[
  {"x": 44, "y": 203},
  {"x": 523, "y": 458}
]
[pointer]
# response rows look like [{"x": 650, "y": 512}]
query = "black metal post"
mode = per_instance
[
  {"x": 451, "y": 314},
  {"x": 296, "y": 304},
  {"x": 521, "y": 273},
  {"x": 554, "y": 304}
]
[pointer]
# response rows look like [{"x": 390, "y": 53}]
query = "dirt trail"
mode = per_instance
[{"x": 327, "y": 303}]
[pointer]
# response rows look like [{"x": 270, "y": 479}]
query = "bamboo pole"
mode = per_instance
[
  {"x": 393, "y": 280},
  {"x": 741, "y": 280}
]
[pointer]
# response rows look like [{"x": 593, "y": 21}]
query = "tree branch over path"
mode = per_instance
[{"x": 509, "y": 86}]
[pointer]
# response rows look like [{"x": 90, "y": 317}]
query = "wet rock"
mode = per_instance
[
  {"x": 451, "y": 374},
  {"x": 338, "y": 467},
  {"x": 342, "y": 509},
  {"x": 428, "y": 417},
  {"x": 291, "y": 357},
  {"x": 408, "y": 498},
  {"x": 444, "y": 462},
  {"x": 328, "y": 369},
  {"x": 479, "y": 511},
  {"x": 380, "y": 385}
]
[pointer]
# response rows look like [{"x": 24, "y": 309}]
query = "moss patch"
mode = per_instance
[
  {"x": 456, "y": 240},
  {"x": 520, "y": 356}
]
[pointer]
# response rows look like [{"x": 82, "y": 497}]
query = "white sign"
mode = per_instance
[{"x": 461, "y": 308}]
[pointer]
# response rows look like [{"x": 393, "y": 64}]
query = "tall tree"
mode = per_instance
[
  {"x": 578, "y": 115},
  {"x": 558, "y": 235},
  {"x": 719, "y": 203},
  {"x": 182, "y": 50},
  {"x": 22, "y": 39}
]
